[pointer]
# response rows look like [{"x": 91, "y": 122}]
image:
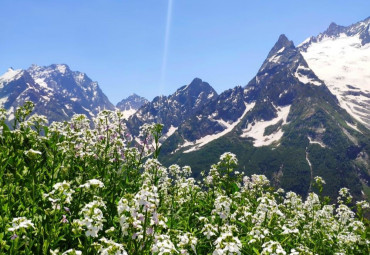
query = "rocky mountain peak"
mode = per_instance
[
  {"x": 282, "y": 44},
  {"x": 172, "y": 110},
  {"x": 195, "y": 89},
  {"x": 284, "y": 41},
  {"x": 284, "y": 55},
  {"x": 56, "y": 90},
  {"x": 196, "y": 84},
  {"x": 334, "y": 29},
  {"x": 10, "y": 75},
  {"x": 131, "y": 104},
  {"x": 196, "y": 81}
]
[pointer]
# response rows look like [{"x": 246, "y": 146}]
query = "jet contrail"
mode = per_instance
[{"x": 166, "y": 41}]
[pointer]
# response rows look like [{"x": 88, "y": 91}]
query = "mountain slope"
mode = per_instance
[
  {"x": 288, "y": 126},
  {"x": 130, "y": 105},
  {"x": 72, "y": 84},
  {"x": 172, "y": 110},
  {"x": 56, "y": 91},
  {"x": 341, "y": 57}
]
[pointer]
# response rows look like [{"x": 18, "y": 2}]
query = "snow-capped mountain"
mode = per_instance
[
  {"x": 174, "y": 109},
  {"x": 130, "y": 105},
  {"x": 16, "y": 87},
  {"x": 76, "y": 86},
  {"x": 340, "y": 56},
  {"x": 284, "y": 123},
  {"x": 56, "y": 91},
  {"x": 265, "y": 101}
]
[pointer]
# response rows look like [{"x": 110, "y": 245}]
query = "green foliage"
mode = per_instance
[{"x": 273, "y": 128}]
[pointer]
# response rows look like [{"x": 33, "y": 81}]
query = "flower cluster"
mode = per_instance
[
  {"x": 20, "y": 223},
  {"x": 82, "y": 187},
  {"x": 93, "y": 217},
  {"x": 61, "y": 195}
]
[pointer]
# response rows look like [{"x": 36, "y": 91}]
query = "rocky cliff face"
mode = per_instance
[
  {"x": 56, "y": 91},
  {"x": 131, "y": 104}
]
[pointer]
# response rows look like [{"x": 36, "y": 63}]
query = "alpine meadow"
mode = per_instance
[{"x": 266, "y": 153}]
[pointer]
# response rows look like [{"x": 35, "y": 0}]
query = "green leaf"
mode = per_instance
[{"x": 255, "y": 250}]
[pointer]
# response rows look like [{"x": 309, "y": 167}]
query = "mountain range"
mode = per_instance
[{"x": 306, "y": 113}]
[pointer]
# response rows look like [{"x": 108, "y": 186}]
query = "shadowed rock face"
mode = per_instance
[
  {"x": 132, "y": 102},
  {"x": 172, "y": 110}
]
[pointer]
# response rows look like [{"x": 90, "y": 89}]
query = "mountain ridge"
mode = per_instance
[
  {"x": 339, "y": 56},
  {"x": 131, "y": 104},
  {"x": 56, "y": 91}
]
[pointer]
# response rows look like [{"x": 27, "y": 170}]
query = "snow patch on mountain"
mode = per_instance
[
  {"x": 61, "y": 68},
  {"x": 353, "y": 127},
  {"x": 130, "y": 105},
  {"x": 129, "y": 112},
  {"x": 170, "y": 132},
  {"x": 274, "y": 59},
  {"x": 41, "y": 82},
  {"x": 10, "y": 75},
  {"x": 313, "y": 141},
  {"x": 304, "y": 78},
  {"x": 228, "y": 128},
  {"x": 3, "y": 101},
  {"x": 256, "y": 130}
]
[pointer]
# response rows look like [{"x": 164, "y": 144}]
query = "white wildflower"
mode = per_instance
[
  {"x": 209, "y": 230},
  {"x": 20, "y": 223},
  {"x": 227, "y": 243},
  {"x": 109, "y": 247},
  {"x": 93, "y": 217},
  {"x": 162, "y": 245},
  {"x": 187, "y": 240},
  {"x": 60, "y": 195},
  {"x": 94, "y": 183},
  {"x": 222, "y": 206},
  {"x": 72, "y": 252},
  {"x": 272, "y": 247}
]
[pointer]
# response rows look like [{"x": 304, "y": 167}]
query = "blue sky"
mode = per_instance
[{"x": 121, "y": 43}]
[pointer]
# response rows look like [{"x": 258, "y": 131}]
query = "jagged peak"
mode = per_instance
[
  {"x": 334, "y": 29},
  {"x": 283, "y": 39},
  {"x": 11, "y": 74},
  {"x": 196, "y": 86},
  {"x": 62, "y": 68},
  {"x": 133, "y": 96},
  {"x": 282, "y": 43},
  {"x": 132, "y": 102},
  {"x": 196, "y": 82},
  {"x": 332, "y": 25}
]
